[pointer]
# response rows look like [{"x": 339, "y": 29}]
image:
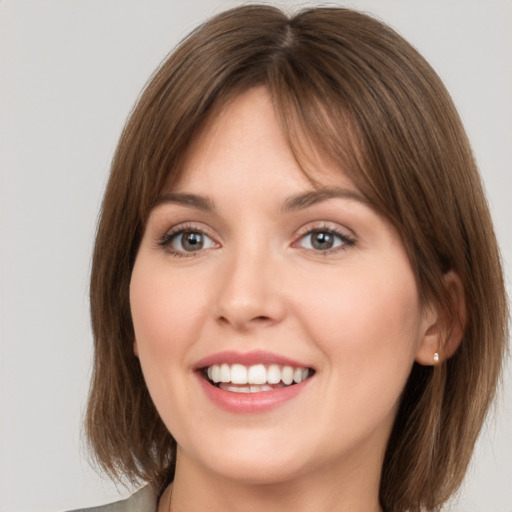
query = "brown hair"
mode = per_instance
[{"x": 364, "y": 96}]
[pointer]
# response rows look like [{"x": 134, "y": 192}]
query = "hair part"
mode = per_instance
[{"x": 352, "y": 88}]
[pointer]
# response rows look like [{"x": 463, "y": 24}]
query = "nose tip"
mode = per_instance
[
  {"x": 242, "y": 318},
  {"x": 250, "y": 297}
]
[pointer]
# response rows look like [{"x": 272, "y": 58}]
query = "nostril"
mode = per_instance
[{"x": 260, "y": 319}]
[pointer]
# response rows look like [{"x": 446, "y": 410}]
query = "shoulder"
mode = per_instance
[{"x": 144, "y": 500}]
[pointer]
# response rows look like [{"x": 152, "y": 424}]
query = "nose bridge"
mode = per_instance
[{"x": 249, "y": 291}]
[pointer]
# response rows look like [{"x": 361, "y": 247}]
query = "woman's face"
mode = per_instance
[{"x": 246, "y": 271}]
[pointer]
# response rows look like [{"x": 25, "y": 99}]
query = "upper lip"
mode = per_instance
[{"x": 248, "y": 359}]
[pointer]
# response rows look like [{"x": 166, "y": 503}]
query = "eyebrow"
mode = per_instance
[
  {"x": 310, "y": 198},
  {"x": 194, "y": 200},
  {"x": 293, "y": 203}
]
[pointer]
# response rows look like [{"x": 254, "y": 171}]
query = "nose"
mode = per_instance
[{"x": 250, "y": 291}]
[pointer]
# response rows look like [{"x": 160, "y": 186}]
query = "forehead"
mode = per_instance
[{"x": 243, "y": 142}]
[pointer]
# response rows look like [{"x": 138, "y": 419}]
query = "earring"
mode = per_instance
[{"x": 436, "y": 358}]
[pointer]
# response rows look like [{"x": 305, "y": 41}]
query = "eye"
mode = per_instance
[
  {"x": 186, "y": 241},
  {"x": 323, "y": 240}
]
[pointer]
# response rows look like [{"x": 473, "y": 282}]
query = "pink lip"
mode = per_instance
[
  {"x": 243, "y": 403},
  {"x": 248, "y": 359}
]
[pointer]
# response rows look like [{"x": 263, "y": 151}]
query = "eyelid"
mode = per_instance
[
  {"x": 326, "y": 225},
  {"x": 346, "y": 236},
  {"x": 164, "y": 241}
]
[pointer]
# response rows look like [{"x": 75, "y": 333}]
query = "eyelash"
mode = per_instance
[
  {"x": 165, "y": 242},
  {"x": 346, "y": 240}
]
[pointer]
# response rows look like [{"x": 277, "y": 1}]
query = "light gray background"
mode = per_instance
[{"x": 70, "y": 72}]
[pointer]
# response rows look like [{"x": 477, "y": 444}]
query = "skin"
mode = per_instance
[{"x": 352, "y": 313}]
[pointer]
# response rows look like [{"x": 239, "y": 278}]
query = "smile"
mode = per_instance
[
  {"x": 252, "y": 382},
  {"x": 238, "y": 378}
]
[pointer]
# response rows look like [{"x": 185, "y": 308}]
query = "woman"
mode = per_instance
[{"x": 296, "y": 292}]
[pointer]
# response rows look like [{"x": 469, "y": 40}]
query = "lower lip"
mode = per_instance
[{"x": 244, "y": 403}]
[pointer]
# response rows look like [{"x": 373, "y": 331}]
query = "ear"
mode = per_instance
[
  {"x": 442, "y": 331},
  {"x": 135, "y": 347}
]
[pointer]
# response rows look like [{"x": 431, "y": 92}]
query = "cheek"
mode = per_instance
[
  {"x": 164, "y": 311},
  {"x": 368, "y": 326},
  {"x": 165, "y": 315}
]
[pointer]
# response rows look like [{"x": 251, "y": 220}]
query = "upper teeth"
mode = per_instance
[{"x": 256, "y": 374}]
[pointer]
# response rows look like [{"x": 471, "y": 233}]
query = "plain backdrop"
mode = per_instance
[{"x": 70, "y": 72}]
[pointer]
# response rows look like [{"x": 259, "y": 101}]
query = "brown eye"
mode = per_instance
[
  {"x": 190, "y": 241},
  {"x": 323, "y": 240}
]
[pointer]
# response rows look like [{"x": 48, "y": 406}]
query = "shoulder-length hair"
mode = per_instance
[{"x": 359, "y": 92}]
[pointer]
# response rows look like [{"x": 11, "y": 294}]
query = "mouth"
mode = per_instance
[{"x": 257, "y": 378}]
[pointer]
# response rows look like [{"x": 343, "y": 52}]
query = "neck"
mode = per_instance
[{"x": 195, "y": 489}]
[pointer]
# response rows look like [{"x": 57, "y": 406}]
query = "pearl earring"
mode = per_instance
[{"x": 436, "y": 358}]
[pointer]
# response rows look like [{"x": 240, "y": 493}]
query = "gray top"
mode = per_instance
[{"x": 144, "y": 500}]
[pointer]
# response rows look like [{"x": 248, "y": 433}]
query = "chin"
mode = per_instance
[
  {"x": 251, "y": 462},
  {"x": 257, "y": 471}
]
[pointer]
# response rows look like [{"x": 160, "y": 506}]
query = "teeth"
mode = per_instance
[
  {"x": 265, "y": 387},
  {"x": 225, "y": 373},
  {"x": 235, "y": 389},
  {"x": 238, "y": 374},
  {"x": 257, "y": 374},
  {"x": 245, "y": 389},
  {"x": 287, "y": 375},
  {"x": 273, "y": 374},
  {"x": 251, "y": 379}
]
